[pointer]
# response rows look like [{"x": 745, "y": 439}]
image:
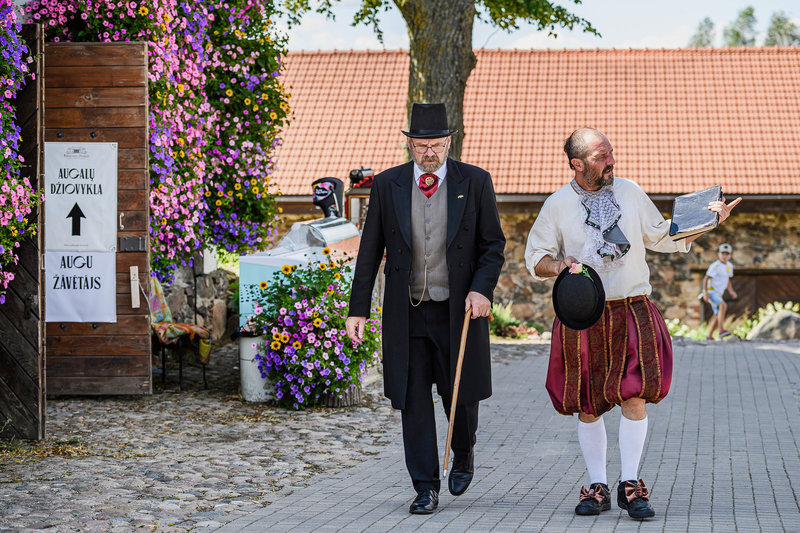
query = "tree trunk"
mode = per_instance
[{"x": 441, "y": 57}]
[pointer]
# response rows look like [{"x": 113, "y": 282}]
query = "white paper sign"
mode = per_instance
[
  {"x": 80, "y": 196},
  {"x": 80, "y": 287}
]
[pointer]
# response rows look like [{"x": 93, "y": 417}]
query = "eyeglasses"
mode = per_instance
[{"x": 437, "y": 148}]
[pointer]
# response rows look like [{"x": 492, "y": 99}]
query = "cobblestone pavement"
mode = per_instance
[{"x": 724, "y": 438}]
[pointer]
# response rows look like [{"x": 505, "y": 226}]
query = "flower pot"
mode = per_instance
[
  {"x": 350, "y": 397},
  {"x": 254, "y": 387}
]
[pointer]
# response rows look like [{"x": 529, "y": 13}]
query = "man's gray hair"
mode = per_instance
[{"x": 577, "y": 145}]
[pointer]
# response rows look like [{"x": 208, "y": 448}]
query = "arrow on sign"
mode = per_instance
[{"x": 76, "y": 215}]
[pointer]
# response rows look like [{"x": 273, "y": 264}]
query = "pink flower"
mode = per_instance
[{"x": 576, "y": 268}]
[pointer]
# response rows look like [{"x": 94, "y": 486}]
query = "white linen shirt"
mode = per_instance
[{"x": 558, "y": 232}]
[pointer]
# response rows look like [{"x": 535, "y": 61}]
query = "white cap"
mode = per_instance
[{"x": 725, "y": 247}]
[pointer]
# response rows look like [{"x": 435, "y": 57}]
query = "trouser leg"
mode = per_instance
[
  {"x": 464, "y": 426},
  {"x": 419, "y": 423}
]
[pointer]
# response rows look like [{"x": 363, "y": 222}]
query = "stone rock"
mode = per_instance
[
  {"x": 219, "y": 318},
  {"x": 780, "y": 325}
]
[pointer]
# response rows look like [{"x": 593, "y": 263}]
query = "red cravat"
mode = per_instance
[{"x": 428, "y": 183}]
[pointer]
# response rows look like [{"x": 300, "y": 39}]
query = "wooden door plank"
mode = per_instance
[
  {"x": 98, "y": 385},
  {"x": 124, "y": 137},
  {"x": 125, "y": 325},
  {"x": 95, "y": 54},
  {"x": 94, "y": 97},
  {"x": 102, "y": 366},
  {"x": 97, "y": 345},
  {"x": 93, "y": 77},
  {"x": 117, "y": 117}
]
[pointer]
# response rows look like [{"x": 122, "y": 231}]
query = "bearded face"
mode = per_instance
[{"x": 429, "y": 154}]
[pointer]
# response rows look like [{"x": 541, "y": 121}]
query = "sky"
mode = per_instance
[{"x": 622, "y": 24}]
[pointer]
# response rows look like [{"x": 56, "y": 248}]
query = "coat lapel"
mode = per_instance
[
  {"x": 402, "y": 200},
  {"x": 457, "y": 187}
]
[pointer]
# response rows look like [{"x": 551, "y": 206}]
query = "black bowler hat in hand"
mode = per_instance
[
  {"x": 579, "y": 298},
  {"x": 428, "y": 121}
]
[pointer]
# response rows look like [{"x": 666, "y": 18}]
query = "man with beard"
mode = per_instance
[
  {"x": 437, "y": 221},
  {"x": 625, "y": 358}
]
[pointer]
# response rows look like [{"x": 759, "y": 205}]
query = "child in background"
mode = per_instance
[{"x": 715, "y": 282}]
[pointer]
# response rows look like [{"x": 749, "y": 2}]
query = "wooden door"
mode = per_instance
[
  {"x": 97, "y": 92},
  {"x": 22, "y": 379}
]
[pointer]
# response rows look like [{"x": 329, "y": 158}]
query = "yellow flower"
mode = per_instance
[
  {"x": 163, "y": 221},
  {"x": 208, "y": 193},
  {"x": 263, "y": 285},
  {"x": 317, "y": 322},
  {"x": 219, "y": 193},
  {"x": 280, "y": 210},
  {"x": 228, "y": 93},
  {"x": 237, "y": 186},
  {"x": 323, "y": 266},
  {"x": 337, "y": 275},
  {"x": 276, "y": 336},
  {"x": 285, "y": 338},
  {"x": 143, "y": 11},
  {"x": 273, "y": 115},
  {"x": 297, "y": 345},
  {"x": 316, "y": 314},
  {"x": 275, "y": 345},
  {"x": 239, "y": 195},
  {"x": 378, "y": 309},
  {"x": 255, "y": 108},
  {"x": 286, "y": 269},
  {"x": 253, "y": 182},
  {"x": 326, "y": 251},
  {"x": 246, "y": 101},
  {"x": 218, "y": 203},
  {"x": 255, "y": 190},
  {"x": 293, "y": 267},
  {"x": 180, "y": 87}
]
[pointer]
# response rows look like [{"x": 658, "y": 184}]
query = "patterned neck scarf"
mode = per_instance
[{"x": 605, "y": 244}]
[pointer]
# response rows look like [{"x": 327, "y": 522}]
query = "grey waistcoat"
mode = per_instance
[{"x": 428, "y": 241}]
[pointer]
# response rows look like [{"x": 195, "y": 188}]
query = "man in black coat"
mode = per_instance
[{"x": 437, "y": 221}]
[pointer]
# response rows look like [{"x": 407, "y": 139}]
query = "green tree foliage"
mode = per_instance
[
  {"x": 440, "y": 36},
  {"x": 704, "y": 36},
  {"x": 782, "y": 31},
  {"x": 742, "y": 31}
]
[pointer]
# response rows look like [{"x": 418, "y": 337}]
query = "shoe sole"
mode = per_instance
[{"x": 422, "y": 511}]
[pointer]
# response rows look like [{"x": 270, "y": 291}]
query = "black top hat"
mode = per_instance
[
  {"x": 578, "y": 299},
  {"x": 428, "y": 121}
]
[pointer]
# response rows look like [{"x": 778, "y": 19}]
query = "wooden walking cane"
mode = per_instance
[{"x": 456, "y": 382}]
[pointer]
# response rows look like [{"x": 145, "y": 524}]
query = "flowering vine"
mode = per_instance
[
  {"x": 17, "y": 195},
  {"x": 216, "y": 108}
]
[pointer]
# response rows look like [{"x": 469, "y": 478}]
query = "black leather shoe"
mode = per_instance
[
  {"x": 461, "y": 475},
  {"x": 595, "y": 500},
  {"x": 634, "y": 497},
  {"x": 426, "y": 502}
]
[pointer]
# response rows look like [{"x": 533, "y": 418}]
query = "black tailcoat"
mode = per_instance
[{"x": 475, "y": 244}]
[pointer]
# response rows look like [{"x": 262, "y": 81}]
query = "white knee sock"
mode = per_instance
[
  {"x": 592, "y": 438},
  {"x": 631, "y": 443}
]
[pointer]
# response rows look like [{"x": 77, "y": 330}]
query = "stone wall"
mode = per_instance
[
  {"x": 210, "y": 295},
  {"x": 760, "y": 241}
]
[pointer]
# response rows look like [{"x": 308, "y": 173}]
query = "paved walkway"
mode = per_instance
[{"x": 723, "y": 454}]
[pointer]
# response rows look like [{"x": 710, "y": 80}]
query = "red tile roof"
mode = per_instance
[{"x": 679, "y": 120}]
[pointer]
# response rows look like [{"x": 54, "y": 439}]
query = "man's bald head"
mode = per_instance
[{"x": 577, "y": 144}]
